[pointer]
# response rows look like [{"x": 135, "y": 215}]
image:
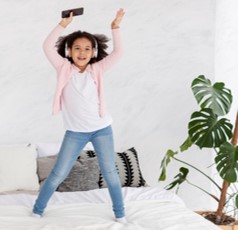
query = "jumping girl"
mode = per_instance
[{"x": 80, "y": 60}]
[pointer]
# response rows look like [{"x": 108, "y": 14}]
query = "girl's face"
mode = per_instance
[{"x": 81, "y": 53}]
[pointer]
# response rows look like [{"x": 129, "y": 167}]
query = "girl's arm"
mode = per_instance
[
  {"x": 117, "y": 21},
  {"x": 117, "y": 51},
  {"x": 49, "y": 44}
]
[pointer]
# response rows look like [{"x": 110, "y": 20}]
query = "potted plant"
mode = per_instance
[{"x": 208, "y": 128}]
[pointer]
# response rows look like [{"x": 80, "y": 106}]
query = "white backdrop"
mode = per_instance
[{"x": 167, "y": 44}]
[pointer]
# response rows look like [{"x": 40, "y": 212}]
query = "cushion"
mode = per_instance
[
  {"x": 83, "y": 176},
  {"x": 128, "y": 167},
  {"x": 18, "y": 168},
  {"x": 44, "y": 167},
  {"x": 45, "y": 149}
]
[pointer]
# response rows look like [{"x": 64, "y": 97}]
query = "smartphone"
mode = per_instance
[{"x": 76, "y": 11}]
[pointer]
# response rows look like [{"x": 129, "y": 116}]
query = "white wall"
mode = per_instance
[
  {"x": 226, "y": 54},
  {"x": 167, "y": 44},
  {"x": 226, "y": 48}
]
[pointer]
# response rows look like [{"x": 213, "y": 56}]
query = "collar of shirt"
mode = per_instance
[{"x": 88, "y": 68}]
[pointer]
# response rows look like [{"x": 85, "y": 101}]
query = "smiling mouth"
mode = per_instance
[{"x": 81, "y": 58}]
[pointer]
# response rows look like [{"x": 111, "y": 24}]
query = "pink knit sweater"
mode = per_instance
[{"x": 65, "y": 69}]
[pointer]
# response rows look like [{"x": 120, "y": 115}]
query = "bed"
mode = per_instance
[{"x": 85, "y": 204}]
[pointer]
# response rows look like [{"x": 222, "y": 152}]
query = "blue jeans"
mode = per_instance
[{"x": 71, "y": 147}]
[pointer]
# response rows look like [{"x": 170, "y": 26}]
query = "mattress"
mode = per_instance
[{"x": 147, "y": 208}]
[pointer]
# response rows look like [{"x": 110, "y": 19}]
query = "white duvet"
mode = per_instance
[{"x": 147, "y": 208}]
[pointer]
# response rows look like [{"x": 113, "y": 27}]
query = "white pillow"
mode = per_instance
[
  {"x": 18, "y": 168},
  {"x": 45, "y": 149}
]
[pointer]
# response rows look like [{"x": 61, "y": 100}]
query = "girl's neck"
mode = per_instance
[{"x": 81, "y": 68}]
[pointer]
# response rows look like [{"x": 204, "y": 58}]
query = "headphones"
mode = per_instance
[
  {"x": 66, "y": 50},
  {"x": 95, "y": 48}
]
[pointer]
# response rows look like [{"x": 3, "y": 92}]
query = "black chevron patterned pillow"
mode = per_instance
[{"x": 128, "y": 167}]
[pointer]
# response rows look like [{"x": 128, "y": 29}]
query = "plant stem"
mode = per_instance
[
  {"x": 221, "y": 202},
  {"x": 214, "y": 182},
  {"x": 214, "y": 197},
  {"x": 225, "y": 185}
]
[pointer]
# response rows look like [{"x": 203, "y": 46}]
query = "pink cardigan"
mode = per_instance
[{"x": 65, "y": 69}]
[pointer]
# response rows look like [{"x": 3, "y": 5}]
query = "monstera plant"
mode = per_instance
[{"x": 208, "y": 128}]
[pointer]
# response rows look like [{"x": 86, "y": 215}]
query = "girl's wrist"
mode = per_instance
[
  {"x": 63, "y": 24},
  {"x": 115, "y": 26}
]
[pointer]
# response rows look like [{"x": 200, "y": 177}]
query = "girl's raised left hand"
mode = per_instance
[{"x": 66, "y": 21}]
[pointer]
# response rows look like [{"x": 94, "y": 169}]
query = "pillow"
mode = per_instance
[
  {"x": 44, "y": 167},
  {"x": 45, "y": 149},
  {"x": 82, "y": 177},
  {"x": 18, "y": 168},
  {"x": 128, "y": 167}
]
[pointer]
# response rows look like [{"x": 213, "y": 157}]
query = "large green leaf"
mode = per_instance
[
  {"x": 227, "y": 162},
  {"x": 166, "y": 160},
  {"x": 179, "y": 178},
  {"x": 186, "y": 144},
  {"x": 206, "y": 130},
  {"x": 216, "y": 96}
]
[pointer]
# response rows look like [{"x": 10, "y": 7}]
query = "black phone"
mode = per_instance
[{"x": 76, "y": 11}]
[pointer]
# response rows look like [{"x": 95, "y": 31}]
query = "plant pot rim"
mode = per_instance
[{"x": 234, "y": 223}]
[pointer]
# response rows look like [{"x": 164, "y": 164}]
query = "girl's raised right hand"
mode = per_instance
[
  {"x": 119, "y": 16},
  {"x": 66, "y": 21}
]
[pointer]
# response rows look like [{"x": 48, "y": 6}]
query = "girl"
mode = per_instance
[{"x": 80, "y": 61}]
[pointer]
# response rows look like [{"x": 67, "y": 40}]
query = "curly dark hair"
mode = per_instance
[{"x": 67, "y": 41}]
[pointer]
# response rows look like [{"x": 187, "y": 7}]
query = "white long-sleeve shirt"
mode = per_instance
[{"x": 80, "y": 105}]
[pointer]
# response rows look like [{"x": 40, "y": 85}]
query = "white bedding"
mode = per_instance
[{"x": 147, "y": 208}]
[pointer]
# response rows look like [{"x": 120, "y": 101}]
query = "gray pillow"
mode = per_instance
[
  {"x": 44, "y": 167},
  {"x": 83, "y": 176}
]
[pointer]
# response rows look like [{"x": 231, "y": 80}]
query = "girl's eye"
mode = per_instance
[{"x": 79, "y": 49}]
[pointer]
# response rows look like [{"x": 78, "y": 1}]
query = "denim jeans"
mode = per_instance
[{"x": 73, "y": 143}]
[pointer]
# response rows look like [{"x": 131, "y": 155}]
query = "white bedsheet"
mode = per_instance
[{"x": 147, "y": 208}]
